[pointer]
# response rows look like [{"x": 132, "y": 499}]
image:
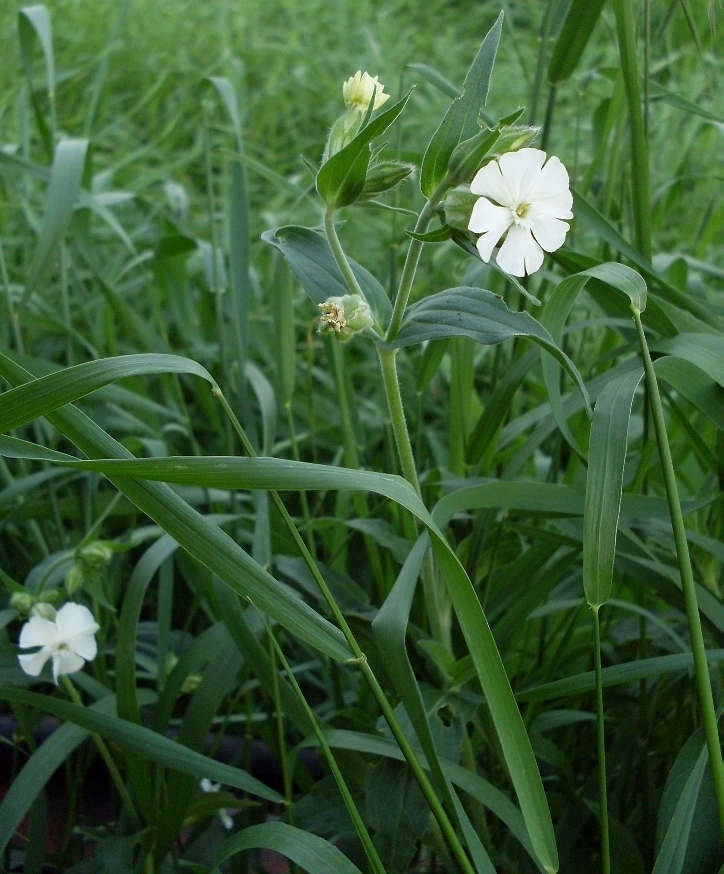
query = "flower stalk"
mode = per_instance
[{"x": 701, "y": 668}]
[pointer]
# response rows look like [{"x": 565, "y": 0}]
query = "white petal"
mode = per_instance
[
  {"x": 520, "y": 170},
  {"x": 520, "y": 254},
  {"x": 86, "y": 647},
  {"x": 66, "y": 662},
  {"x": 38, "y": 632},
  {"x": 558, "y": 206},
  {"x": 489, "y": 182},
  {"x": 486, "y": 216},
  {"x": 75, "y": 621},
  {"x": 549, "y": 232},
  {"x": 552, "y": 181},
  {"x": 33, "y": 663}
]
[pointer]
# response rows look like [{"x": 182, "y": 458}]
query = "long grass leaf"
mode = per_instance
[{"x": 142, "y": 740}]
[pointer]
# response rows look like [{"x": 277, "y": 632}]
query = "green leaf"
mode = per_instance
[
  {"x": 573, "y": 38},
  {"x": 310, "y": 852},
  {"x": 482, "y": 316},
  {"x": 461, "y": 120},
  {"x": 63, "y": 192},
  {"x": 604, "y": 484},
  {"x": 604, "y": 230},
  {"x": 690, "y": 842},
  {"x": 239, "y": 251},
  {"x": 390, "y": 628},
  {"x": 342, "y": 179},
  {"x": 439, "y": 235},
  {"x": 694, "y": 385},
  {"x": 42, "y": 396},
  {"x": 706, "y": 351},
  {"x": 556, "y": 312},
  {"x": 616, "y": 675},
  {"x": 311, "y": 260},
  {"x": 142, "y": 740},
  {"x": 424, "y": 71}
]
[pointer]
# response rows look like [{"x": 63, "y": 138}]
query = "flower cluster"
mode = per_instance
[{"x": 527, "y": 198}]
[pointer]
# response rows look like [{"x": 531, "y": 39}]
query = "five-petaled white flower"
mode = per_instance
[
  {"x": 358, "y": 89},
  {"x": 68, "y": 640},
  {"x": 532, "y": 201}
]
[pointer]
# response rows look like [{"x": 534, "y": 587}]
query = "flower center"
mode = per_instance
[
  {"x": 520, "y": 212},
  {"x": 333, "y": 314},
  {"x": 62, "y": 647}
]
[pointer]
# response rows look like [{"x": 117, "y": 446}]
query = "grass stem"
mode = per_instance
[
  {"x": 600, "y": 733},
  {"x": 701, "y": 668}
]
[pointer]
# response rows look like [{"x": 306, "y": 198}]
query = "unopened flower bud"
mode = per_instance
[
  {"x": 96, "y": 554},
  {"x": 344, "y": 316},
  {"x": 50, "y": 596},
  {"x": 459, "y": 206},
  {"x": 44, "y": 610},
  {"x": 358, "y": 90},
  {"x": 383, "y": 176},
  {"x": 514, "y": 138},
  {"x": 74, "y": 579},
  {"x": 22, "y": 601}
]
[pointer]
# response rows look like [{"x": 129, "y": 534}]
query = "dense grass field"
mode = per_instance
[{"x": 444, "y": 597}]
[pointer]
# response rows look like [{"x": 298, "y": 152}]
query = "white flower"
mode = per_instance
[
  {"x": 224, "y": 813},
  {"x": 533, "y": 199},
  {"x": 68, "y": 639},
  {"x": 357, "y": 92}
]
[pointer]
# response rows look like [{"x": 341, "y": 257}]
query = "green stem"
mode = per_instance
[
  {"x": 412, "y": 259},
  {"x": 360, "y": 659},
  {"x": 602, "y": 791},
  {"x": 338, "y": 253},
  {"x": 701, "y": 669},
  {"x": 281, "y": 740},
  {"x": 106, "y": 756},
  {"x": 397, "y": 416}
]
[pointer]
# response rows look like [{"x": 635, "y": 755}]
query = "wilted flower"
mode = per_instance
[
  {"x": 224, "y": 813},
  {"x": 358, "y": 90},
  {"x": 533, "y": 199},
  {"x": 344, "y": 316},
  {"x": 68, "y": 639}
]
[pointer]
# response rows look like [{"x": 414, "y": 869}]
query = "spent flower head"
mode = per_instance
[
  {"x": 519, "y": 195},
  {"x": 344, "y": 316},
  {"x": 358, "y": 91},
  {"x": 68, "y": 638}
]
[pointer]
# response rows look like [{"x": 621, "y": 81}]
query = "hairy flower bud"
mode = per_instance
[
  {"x": 458, "y": 206},
  {"x": 96, "y": 554},
  {"x": 22, "y": 601},
  {"x": 383, "y": 176},
  {"x": 44, "y": 611},
  {"x": 74, "y": 579}
]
